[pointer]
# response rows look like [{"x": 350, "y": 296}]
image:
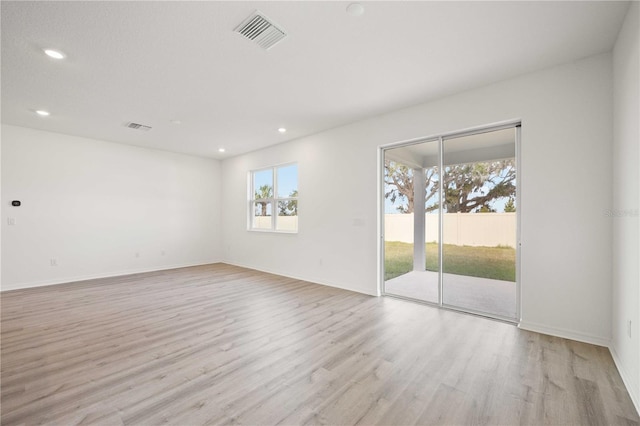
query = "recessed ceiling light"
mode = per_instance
[
  {"x": 282, "y": 130},
  {"x": 55, "y": 54},
  {"x": 221, "y": 149},
  {"x": 355, "y": 9},
  {"x": 42, "y": 112}
]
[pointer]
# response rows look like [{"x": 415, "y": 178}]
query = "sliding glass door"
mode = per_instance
[
  {"x": 479, "y": 218},
  {"x": 458, "y": 249},
  {"x": 412, "y": 222}
]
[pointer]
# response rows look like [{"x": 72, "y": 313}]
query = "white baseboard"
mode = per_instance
[
  {"x": 564, "y": 333},
  {"x": 70, "y": 279},
  {"x": 307, "y": 279},
  {"x": 625, "y": 378}
]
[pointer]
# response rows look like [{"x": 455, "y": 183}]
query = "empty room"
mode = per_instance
[{"x": 320, "y": 212}]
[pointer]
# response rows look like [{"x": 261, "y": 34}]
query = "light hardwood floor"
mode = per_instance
[{"x": 219, "y": 344}]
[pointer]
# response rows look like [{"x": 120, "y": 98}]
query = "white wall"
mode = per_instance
[
  {"x": 566, "y": 115},
  {"x": 92, "y": 205},
  {"x": 2, "y": 208},
  {"x": 625, "y": 207}
]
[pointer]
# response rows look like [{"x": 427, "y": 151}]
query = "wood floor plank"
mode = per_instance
[{"x": 219, "y": 344}]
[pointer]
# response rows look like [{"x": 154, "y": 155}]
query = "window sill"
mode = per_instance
[{"x": 271, "y": 231}]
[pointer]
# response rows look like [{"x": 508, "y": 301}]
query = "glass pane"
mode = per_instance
[
  {"x": 263, "y": 184},
  {"x": 287, "y": 219},
  {"x": 479, "y": 251},
  {"x": 288, "y": 181},
  {"x": 261, "y": 215},
  {"x": 411, "y": 262}
]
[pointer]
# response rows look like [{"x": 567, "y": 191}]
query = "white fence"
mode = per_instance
[
  {"x": 463, "y": 229},
  {"x": 284, "y": 223}
]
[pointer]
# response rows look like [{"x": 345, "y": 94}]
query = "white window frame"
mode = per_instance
[{"x": 273, "y": 200}]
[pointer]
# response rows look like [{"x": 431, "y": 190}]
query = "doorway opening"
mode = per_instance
[{"x": 450, "y": 221}]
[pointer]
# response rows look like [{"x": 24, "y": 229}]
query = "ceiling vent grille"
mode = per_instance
[
  {"x": 259, "y": 29},
  {"x": 137, "y": 126}
]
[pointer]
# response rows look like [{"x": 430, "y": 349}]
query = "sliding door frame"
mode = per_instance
[{"x": 440, "y": 138}]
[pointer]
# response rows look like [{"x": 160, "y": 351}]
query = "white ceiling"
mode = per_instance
[
  {"x": 487, "y": 145},
  {"x": 154, "y": 62}
]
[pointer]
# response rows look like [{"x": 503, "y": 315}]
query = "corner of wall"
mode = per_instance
[
  {"x": 626, "y": 378},
  {"x": 565, "y": 333},
  {"x": 625, "y": 247}
]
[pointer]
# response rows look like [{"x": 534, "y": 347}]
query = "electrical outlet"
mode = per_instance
[
  {"x": 53, "y": 262},
  {"x": 11, "y": 221}
]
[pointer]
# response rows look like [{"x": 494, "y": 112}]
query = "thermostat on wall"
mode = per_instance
[{"x": 16, "y": 203}]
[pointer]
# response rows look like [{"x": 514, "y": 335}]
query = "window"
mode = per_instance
[{"x": 273, "y": 201}]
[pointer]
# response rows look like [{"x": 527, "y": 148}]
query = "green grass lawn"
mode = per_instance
[{"x": 485, "y": 262}]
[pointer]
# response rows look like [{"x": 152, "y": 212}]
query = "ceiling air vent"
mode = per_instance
[
  {"x": 137, "y": 126},
  {"x": 261, "y": 30}
]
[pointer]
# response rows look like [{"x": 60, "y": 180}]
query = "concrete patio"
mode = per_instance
[{"x": 494, "y": 297}]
